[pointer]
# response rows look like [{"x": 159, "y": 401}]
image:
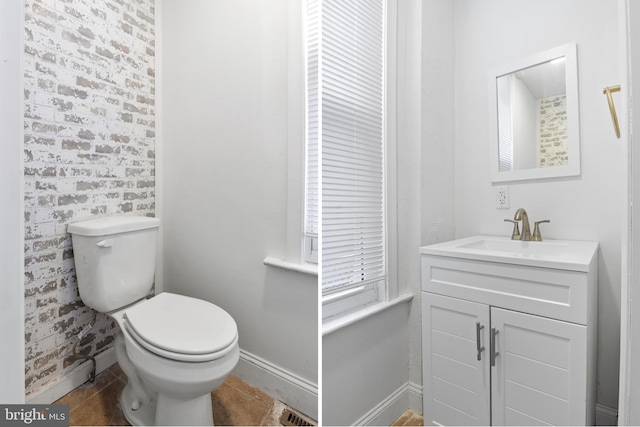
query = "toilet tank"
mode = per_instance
[{"x": 115, "y": 259}]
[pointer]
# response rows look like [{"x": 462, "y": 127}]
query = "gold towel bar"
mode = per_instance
[{"x": 612, "y": 108}]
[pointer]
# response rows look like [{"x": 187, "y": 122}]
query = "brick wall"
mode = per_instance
[
  {"x": 553, "y": 131},
  {"x": 88, "y": 152}
]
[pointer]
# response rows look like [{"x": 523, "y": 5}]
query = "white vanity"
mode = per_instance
[{"x": 509, "y": 332}]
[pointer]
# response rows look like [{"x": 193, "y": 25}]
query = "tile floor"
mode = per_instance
[{"x": 235, "y": 403}]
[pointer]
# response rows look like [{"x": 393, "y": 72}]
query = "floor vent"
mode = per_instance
[{"x": 289, "y": 418}]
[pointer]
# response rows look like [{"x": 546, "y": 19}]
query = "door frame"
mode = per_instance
[{"x": 629, "y": 389}]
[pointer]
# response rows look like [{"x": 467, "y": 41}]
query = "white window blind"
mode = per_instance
[
  {"x": 352, "y": 90},
  {"x": 505, "y": 125}
]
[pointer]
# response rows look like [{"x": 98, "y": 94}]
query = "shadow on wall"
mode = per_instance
[{"x": 363, "y": 364}]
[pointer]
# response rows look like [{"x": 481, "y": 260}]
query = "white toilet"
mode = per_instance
[{"x": 174, "y": 349}]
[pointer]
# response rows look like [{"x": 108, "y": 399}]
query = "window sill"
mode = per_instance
[
  {"x": 351, "y": 318},
  {"x": 309, "y": 269}
]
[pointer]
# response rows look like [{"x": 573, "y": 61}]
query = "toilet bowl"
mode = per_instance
[
  {"x": 176, "y": 384},
  {"x": 174, "y": 349}
]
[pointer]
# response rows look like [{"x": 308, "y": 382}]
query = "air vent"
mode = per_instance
[{"x": 289, "y": 418}]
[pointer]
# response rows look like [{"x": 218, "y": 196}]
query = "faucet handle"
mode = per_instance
[
  {"x": 515, "y": 235},
  {"x": 536, "y": 236}
]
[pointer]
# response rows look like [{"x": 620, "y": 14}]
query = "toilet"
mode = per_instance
[{"x": 174, "y": 349}]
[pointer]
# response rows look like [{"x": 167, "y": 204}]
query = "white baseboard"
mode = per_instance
[
  {"x": 415, "y": 397},
  {"x": 74, "y": 379},
  {"x": 407, "y": 396},
  {"x": 606, "y": 415},
  {"x": 291, "y": 389}
]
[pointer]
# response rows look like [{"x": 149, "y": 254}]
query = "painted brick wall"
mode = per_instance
[
  {"x": 88, "y": 150},
  {"x": 553, "y": 131}
]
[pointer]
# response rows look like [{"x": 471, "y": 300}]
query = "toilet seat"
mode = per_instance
[{"x": 182, "y": 328}]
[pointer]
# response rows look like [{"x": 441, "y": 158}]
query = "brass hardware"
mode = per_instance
[
  {"x": 521, "y": 214},
  {"x": 612, "y": 108},
  {"x": 515, "y": 235},
  {"x": 537, "y": 237}
]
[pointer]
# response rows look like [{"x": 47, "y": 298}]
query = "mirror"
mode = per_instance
[{"x": 534, "y": 117}]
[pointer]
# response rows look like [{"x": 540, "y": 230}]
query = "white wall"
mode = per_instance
[
  {"x": 11, "y": 246},
  {"x": 491, "y": 32},
  {"x": 436, "y": 169},
  {"x": 225, "y": 175}
]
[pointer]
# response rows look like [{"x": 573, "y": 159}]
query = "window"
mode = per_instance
[
  {"x": 301, "y": 249},
  {"x": 311, "y": 131},
  {"x": 352, "y": 75}
]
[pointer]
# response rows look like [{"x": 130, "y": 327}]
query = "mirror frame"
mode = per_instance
[{"x": 573, "y": 116}]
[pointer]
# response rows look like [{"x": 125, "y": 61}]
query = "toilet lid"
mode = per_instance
[{"x": 181, "y": 324}]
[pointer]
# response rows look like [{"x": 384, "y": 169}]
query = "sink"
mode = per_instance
[
  {"x": 517, "y": 247},
  {"x": 560, "y": 254}
]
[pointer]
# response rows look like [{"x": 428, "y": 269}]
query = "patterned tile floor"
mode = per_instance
[{"x": 235, "y": 403}]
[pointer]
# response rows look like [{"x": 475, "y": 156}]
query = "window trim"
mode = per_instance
[
  {"x": 294, "y": 257},
  {"x": 311, "y": 240},
  {"x": 391, "y": 91}
]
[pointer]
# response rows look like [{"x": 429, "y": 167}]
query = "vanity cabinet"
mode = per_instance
[{"x": 507, "y": 344}]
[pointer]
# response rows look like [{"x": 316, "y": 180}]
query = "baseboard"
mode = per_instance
[
  {"x": 606, "y": 415},
  {"x": 285, "y": 386},
  {"x": 407, "y": 396},
  {"x": 415, "y": 397},
  {"x": 291, "y": 389},
  {"x": 74, "y": 379}
]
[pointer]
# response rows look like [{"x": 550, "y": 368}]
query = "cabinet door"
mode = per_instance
[
  {"x": 456, "y": 383},
  {"x": 540, "y": 370}
]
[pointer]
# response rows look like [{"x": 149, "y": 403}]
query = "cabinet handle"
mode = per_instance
[
  {"x": 480, "y": 349},
  {"x": 494, "y": 353}
]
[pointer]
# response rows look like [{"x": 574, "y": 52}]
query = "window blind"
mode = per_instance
[
  {"x": 352, "y": 89},
  {"x": 312, "y": 130},
  {"x": 505, "y": 125}
]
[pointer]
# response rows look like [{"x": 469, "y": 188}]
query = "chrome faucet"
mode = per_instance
[{"x": 521, "y": 214}]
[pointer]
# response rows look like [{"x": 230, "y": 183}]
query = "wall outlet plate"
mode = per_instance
[{"x": 502, "y": 197}]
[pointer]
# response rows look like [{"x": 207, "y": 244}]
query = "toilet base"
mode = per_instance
[
  {"x": 143, "y": 416},
  {"x": 174, "y": 412},
  {"x": 184, "y": 412}
]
